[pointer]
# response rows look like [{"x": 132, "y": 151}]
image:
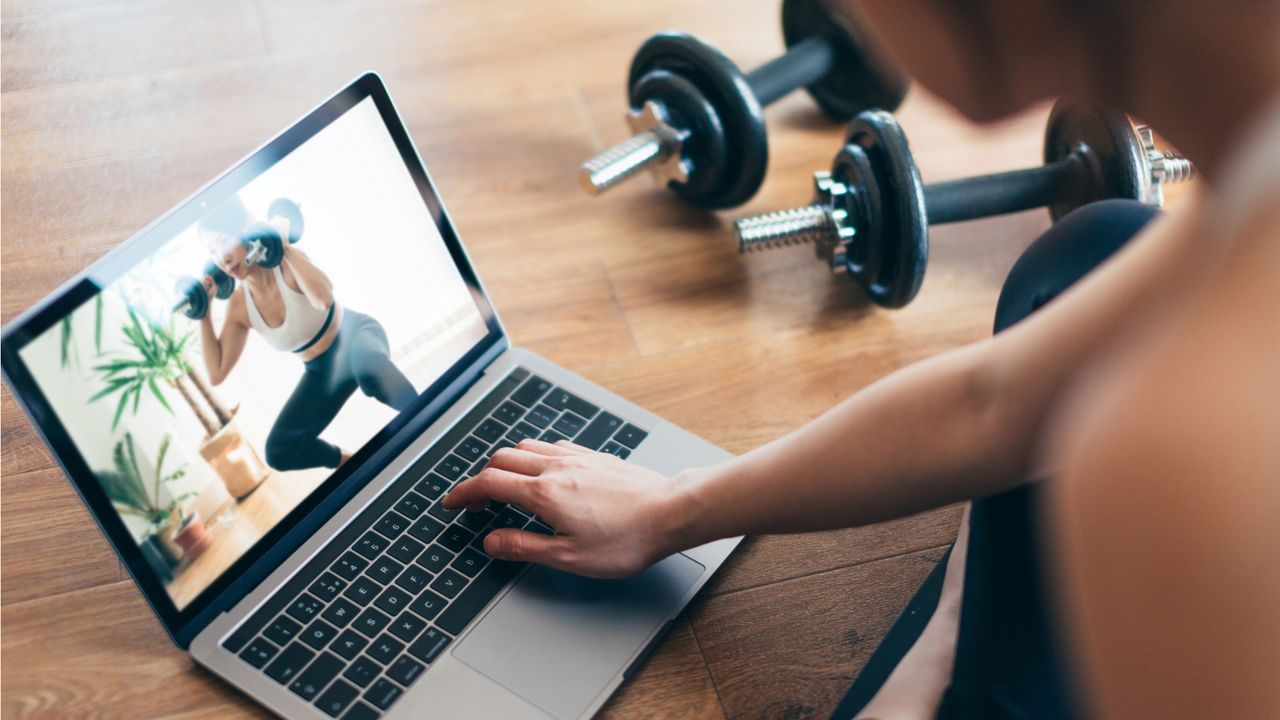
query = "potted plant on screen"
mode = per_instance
[
  {"x": 170, "y": 532},
  {"x": 159, "y": 357}
]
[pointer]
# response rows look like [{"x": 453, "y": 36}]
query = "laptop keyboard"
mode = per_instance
[{"x": 375, "y": 607}]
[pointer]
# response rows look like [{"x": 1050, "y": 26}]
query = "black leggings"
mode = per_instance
[
  {"x": 1009, "y": 662},
  {"x": 359, "y": 357}
]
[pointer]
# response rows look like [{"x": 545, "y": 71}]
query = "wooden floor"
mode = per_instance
[{"x": 114, "y": 110}]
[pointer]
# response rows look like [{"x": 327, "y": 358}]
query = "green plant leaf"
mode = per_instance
[
  {"x": 115, "y": 385},
  {"x": 124, "y": 400},
  {"x": 97, "y": 325},
  {"x": 155, "y": 390}
]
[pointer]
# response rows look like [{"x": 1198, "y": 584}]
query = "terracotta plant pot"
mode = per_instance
[
  {"x": 192, "y": 537},
  {"x": 234, "y": 460}
]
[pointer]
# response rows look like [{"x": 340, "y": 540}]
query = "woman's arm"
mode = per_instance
[
  {"x": 957, "y": 426},
  {"x": 311, "y": 280},
  {"x": 221, "y": 352}
]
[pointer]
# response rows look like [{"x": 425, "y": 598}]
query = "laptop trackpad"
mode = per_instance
[{"x": 556, "y": 639}]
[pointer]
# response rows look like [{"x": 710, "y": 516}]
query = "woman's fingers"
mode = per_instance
[
  {"x": 495, "y": 484},
  {"x": 558, "y": 449},
  {"x": 524, "y": 546},
  {"x": 521, "y": 461}
]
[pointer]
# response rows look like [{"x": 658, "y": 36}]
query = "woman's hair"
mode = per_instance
[{"x": 230, "y": 218}]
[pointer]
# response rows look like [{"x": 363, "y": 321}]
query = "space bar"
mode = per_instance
[{"x": 467, "y": 605}]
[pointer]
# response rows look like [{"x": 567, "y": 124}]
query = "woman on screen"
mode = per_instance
[{"x": 292, "y": 307}]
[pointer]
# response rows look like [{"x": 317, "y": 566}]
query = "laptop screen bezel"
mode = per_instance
[{"x": 183, "y": 624}]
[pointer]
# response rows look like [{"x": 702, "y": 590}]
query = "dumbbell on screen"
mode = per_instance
[
  {"x": 870, "y": 214},
  {"x": 265, "y": 248},
  {"x": 698, "y": 120}
]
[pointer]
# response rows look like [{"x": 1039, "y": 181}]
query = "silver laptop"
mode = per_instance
[{"x": 262, "y": 397}]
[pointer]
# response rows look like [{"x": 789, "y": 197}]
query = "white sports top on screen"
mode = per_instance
[{"x": 302, "y": 320}]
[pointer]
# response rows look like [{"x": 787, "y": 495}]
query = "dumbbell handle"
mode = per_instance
[
  {"x": 803, "y": 64},
  {"x": 1006, "y": 192}
]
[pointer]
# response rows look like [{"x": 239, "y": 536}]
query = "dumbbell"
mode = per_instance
[
  {"x": 194, "y": 302},
  {"x": 698, "y": 120},
  {"x": 870, "y": 214}
]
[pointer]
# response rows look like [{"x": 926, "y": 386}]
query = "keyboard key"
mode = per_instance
[
  {"x": 426, "y": 529},
  {"x": 405, "y": 670},
  {"x": 540, "y": 528},
  {"x": 475, "y": 521},
  {"x": 569, "y": 425},
  {"x": 407, "y": 626},
  {"x": 490, "y": 430},
  {"x": 469, "y": 562},
  {"x": 413, "y": 579},
  {"x": 349, "y": 644},
  {"x": 340, "y": 612},
  {"x": 362, "y": 671},
  {"x": 362, "y": 591},
  {"x": 316, "y": 676},
  {"x": 258, "y": 652},
  {"x": 531, "y": 391},
  {"x": 564, "y": 400},
  {"x": 318, "y": 634},
  {"x": 474, "y": 470},
  {"x": 631, "y": 436},
  {"x": 406, "y": 549},
  {"x": 282, "y": 630},
  {"x": 508, "y": 412},
  {"x": 432, "y": 486},
  {"x": 428, "y": 647},
  {"x": 542, "y": 416},
  {"x": 449, "y": 583},
  {"x": 443, "y": 514},
  {"x": 382, "y": 694},
  {"x": 289, "y": 663},
  {"x": 360, "y": 711},
  {"x": 371, "y": 622},
  {"x": 371, "y": 545},
  {"x": 392, "y": 601},
  {"x": 428, "y": 604},
  {"x": 522, "y": 431},
  {"x": 350, "y": 565},
  {"x": 503, "y": 443},
  {"x": 451, "y": 467},
  {"x": 392, "y": 524},
  {"x": 327, "y": 586},
  {"x": 552, "y": 436},
  {"x": 336, "y": 699},
  {"x": 385, "y": 570},
  {"x": 472, "y": 449},
  {"x": 385, "y": 649},
  {"x": 600, "y": 430},
  {"x": 304, "y": 608},
  {"x": 412, "y": 505},
  {"x": 614, "y": 448},
  {"x": 486, "y": 585},
  {"x": 435, "y": 558},
  {"x": 509, "y": 518},
  {"x": 455, "y": 538}
]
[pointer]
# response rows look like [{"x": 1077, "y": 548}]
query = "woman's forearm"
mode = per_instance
[{"x": 925, "y": 436}]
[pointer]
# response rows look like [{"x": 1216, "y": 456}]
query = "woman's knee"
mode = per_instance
[{"x": 1079, "y": 242}]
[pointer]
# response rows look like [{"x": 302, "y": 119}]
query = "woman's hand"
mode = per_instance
[{"x": 612, "y": 518}]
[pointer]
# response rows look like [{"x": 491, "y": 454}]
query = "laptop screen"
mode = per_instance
[{"x": 218, "y": 379}]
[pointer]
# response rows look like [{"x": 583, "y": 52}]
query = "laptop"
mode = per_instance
[{"x": 269, "y": 463}]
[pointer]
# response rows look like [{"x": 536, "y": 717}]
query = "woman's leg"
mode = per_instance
[
  {"x": 369, "y": 355},
  {"x": 294, "y": 441},
  {"x": 1001, "y": 575}
]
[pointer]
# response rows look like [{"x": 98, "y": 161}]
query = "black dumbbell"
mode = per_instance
[
  {"x": 194, "y": 299},
  {"x": 698, "y": 121},
  {"x": 871, "y": 214}
]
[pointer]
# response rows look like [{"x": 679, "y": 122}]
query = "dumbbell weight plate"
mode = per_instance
[
  {"x": 289, "y": 210},
  {"x": 1115, "y": 158},
  {"x": 224, "y": 283},
  {"x": 193, "y": 292},
  {"x": 859, "y": 80},
  {"x": 705, "y": 148},
  {"x": 889, "y": 258},
  {"x": 722, "y": 84},
  {"x": 270, "y": 240}
]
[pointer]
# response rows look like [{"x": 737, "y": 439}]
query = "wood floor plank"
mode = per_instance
[
  {"x": 792, "y": 649},
  {"x": 65, "y": 47}
]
